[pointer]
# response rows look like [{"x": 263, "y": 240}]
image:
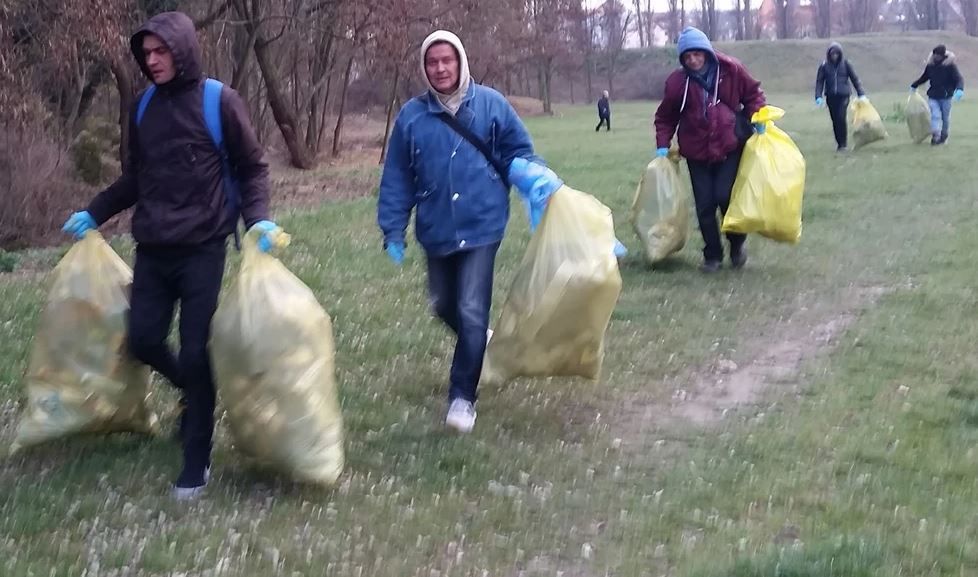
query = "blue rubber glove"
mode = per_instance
[
  {"x": 395, "y": 251},
  {"x": 78, "y": 224},
  {"x": 620, "y": 250},
  {"x": 536, "y": 184},
  {"x": 760, "y": 127},
  {"x": 662, "y": 152},
  {"x": 913, "y": 89},
  {"x": 820, "y": 102},
  {"x": 958, "y": 95},
  {"x": 863, "y": 98},
  {"x": 265, "y": 240}
]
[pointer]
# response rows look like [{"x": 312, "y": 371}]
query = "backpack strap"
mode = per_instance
[
  {"x": 212, "y": 118},
  {"x": 144, "y": 102}
]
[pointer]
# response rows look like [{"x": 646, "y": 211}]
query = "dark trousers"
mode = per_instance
[
  {"x": 460, "y": 288},
  {"x": 837, "y": 111},
  {"x": 603, "y": 120},
  {"x": 712, "y": 184},
  {"x": 162, "y": 277}
]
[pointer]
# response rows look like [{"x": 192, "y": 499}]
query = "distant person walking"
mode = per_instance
[
  {"x": 604, "y": 112},
  {"x": 946, "y": 85},
  {"x": 832, "y": 89}
]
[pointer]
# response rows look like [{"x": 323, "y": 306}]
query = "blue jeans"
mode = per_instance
[
  {"x": 940, "y": 117},
  {"x": 460, "y": 289}
]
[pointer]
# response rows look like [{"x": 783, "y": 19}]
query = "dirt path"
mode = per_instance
[{"x": 706, "y": 395}]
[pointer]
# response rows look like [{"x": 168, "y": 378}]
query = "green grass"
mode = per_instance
[
  {"x": 864, "y": 466},
  {"x": 884, "y": 63}
]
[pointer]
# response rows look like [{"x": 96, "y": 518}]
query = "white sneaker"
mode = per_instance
[
  {"x": 461, "y": 416},
  {"x": 191, "y": 493}
]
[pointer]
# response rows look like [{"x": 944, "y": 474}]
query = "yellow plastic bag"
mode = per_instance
[
  {"x": 867, "y": 126},
  {"x": 554, "y": 320},
  {"x": 272, "y": 352},
  {"x": 81, "y": 378},
  {"x": 917, "y": 114},
  {"x": 767, "y": 194},
  {"x": 660, "y": 211}
]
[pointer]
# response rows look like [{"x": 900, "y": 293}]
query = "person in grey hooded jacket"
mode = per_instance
[{"x": 832, "y": 88}]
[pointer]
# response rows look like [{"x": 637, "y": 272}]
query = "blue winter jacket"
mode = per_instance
[{"x": 460, "y": 200}]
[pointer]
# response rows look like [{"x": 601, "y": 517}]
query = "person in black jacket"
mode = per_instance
[
  {"x": 832, "y": 88},
  {"x": 181, "y": 222},
  {"x": 604, "y": 112},
  {"x": 946, "y": 84}
]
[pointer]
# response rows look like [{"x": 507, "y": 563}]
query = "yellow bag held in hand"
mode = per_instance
[
  {"x": 917, "y": 113},
  {"x": 867, "y": 126},
  {"x": 767, "y": 194},
  {"x": 81, "y": 378},
  {"x": 555, "y": 317},
  {"x": 660, "y": 211},
  {"x": 273, "y": 357}
]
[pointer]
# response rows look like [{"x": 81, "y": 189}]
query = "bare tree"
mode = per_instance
[
  {"x": 674, "y": 22},
  {"x": 823, "y": 18},
  {"x": 969, "y": 9},
  {"x": 615, "y": 22},
  {"x": 782, "y": 10},
  {"x": 862, "y": 15},
  {"x": 708, "y": 18}
]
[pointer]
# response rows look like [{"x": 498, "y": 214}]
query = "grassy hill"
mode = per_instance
[{"x": 884, "y": 62}]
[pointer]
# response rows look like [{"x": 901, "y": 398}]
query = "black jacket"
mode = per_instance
[
  {"x": 174, "y": 174},
  {"x": 604, "y": 109},
  {"x": 833, "y": 78},
  {"x": 944, "y": 78}
]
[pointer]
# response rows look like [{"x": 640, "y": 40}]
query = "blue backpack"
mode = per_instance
[{"x": 212, "y": 118}]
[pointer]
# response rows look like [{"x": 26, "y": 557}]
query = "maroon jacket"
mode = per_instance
[
  {"x": 706, "y": 125},
  {"x": 174, "y": 174}
]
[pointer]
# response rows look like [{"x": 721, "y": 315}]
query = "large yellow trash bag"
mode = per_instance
[
  {"x": 767, "y": 194},
  {"x": 917, "y": 113},
  {"x": 81, "y": 378},
  {"x": 558, "y": 308},
  {"x": 272, "y": 352},
  {"x": 867, "y": 126},
  {"x": 660, "y": 211}
]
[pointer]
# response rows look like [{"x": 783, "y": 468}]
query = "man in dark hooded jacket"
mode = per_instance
[
  {"x": 946, "y": 85},
  {"x": 181, "y": 222},
  {"x": 832, "y": 88}
]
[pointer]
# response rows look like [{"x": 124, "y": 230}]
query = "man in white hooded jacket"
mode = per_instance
[{"x": 458, "y": 186}]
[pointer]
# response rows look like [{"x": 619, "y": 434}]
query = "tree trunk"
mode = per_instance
[
  {"x": 284, "y": 117},
  {"x": 969, "y": 9},
  {"x": 123, "y": 84},
  {"x": 639, "y": 20},
  {"x": 391, "y": 103},
  {"x": 322, "y": 114},
  {"x": 338, "y": 131},
  {"x": 545, "y": 75}
]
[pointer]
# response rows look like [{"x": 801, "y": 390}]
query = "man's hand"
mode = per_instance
[
  {"x": 78, "y": 224},
  {"x": 395, "y": 251}
]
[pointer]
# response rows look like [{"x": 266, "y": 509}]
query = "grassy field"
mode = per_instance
[{"x": 856, "y": 457}]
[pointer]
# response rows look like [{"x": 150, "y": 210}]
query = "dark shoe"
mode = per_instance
[
  {"x": 738, "y": 258},
  {"x": 711, "y": 266},
  {"x": 937, "y": 141}
]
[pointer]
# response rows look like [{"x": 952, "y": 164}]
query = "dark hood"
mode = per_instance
[
  {"x": 834, "y": 46},
  {"x": 949, "y": 59},
  {"x": 178, "y": 32}
]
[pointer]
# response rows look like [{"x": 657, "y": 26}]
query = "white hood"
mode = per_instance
[{"x": 450, "y": 102}]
